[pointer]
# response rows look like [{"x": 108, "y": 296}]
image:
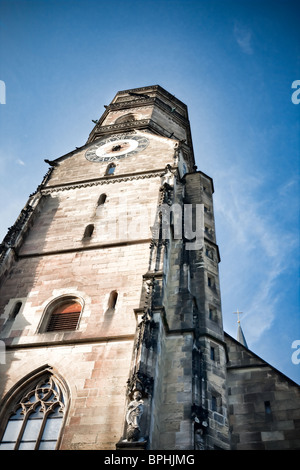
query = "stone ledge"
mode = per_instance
[
  {"x": 135, "y": 445},
  {"x": 73, "y": 341}
]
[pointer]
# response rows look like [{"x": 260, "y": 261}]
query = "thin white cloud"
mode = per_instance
[
  {"x": 289, "y": 185},
  {"x": 243, "y": 37},
  {"x": 256, "y": 250},
  {"x": 20, "y": 162}
]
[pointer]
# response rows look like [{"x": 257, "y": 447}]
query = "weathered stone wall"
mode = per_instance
[
  {"x": 126, "y": 215},
  {"x": 76, "y": 168},
  {"x": 264, "y": 405},
  {"x": 179, "y": 361},
  {"x": 209, "y": 335},
  {"x": 89, "y": 275},
  {"x": 172, "y": 428},
  {"x": 55, "y": 260},
  {"x": 95, "y": 359},
  {"x": 96, "y": 374}
]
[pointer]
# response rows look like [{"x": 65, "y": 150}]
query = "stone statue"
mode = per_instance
[
  {"x": 168, "y": 177},
  {"x": 133, "y": 416},
  {"x": 199, "y": 440}
]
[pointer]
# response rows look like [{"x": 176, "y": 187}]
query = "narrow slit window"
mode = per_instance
[
  {"x": 212, "y": 313},
  {"x": 110, "y": 169},
  {"x": 268, "y": 410},
  {"x": 216, "y": 403},
  {"x": 16, "y": 310},
  {"x": 210, "y": 281},
  {"x": 112, "y": 301},
  {"x": 212, "y": 353},
  {"x": 89, "y": 229},
  {"x": 209, "y": 253},
  {"x": 101, "y": 200},
  {"x": 214, "y": 406}
]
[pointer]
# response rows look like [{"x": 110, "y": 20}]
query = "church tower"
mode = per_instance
[{"x": 110, "y": 299}]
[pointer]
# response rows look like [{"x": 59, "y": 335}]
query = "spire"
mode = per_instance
[{"x": 240, "y": 335}]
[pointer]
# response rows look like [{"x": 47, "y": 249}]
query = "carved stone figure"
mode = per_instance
[
  {"x": 199, "y": 440},
  {"x": 133, "y": 416},
  {"x": 168, "y": 177}
]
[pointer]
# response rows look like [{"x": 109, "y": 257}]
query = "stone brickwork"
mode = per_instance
[
  {"x": 75, "y": 169},
  {"x": 96, "y": 374},
  {"x": 173, "y": 394},
  {"x": 264, "y": 409},
  {"x": 39, "y": 280},
  {"x": 145, "y": 365},
  {"x": 205, "y": 287},
  {"x": 54, "y": 256}
]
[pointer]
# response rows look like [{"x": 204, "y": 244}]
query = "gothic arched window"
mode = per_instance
[{"x": 35, "y": 417}]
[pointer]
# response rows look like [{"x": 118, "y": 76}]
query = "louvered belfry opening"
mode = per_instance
[{"x": 65, "y": 317}]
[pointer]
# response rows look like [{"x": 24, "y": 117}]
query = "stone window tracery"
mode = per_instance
[{"x": 35, "y": 420}]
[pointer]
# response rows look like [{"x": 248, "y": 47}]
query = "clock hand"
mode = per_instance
[{"x": 116, "y": 148}]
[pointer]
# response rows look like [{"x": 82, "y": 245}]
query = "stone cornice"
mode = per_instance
[
  {"x": 151, "y": 101},
  {"x": 143, "y": 124},
  {"x": 75, "y": 338},
  {"x": 151, "y": 91},
  {"x": 102, "y": 181},
  {"x": 113, "y": 128},
  {"x": 77, "y": 249},
  {"x": 142, "y": 102}
]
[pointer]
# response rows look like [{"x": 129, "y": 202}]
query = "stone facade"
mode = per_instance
[
  {"x": 123, "y": 228},
  {"x": 264, "y": 411}
]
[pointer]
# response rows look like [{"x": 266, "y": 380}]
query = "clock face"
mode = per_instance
[{"x": 116, "y": 147}]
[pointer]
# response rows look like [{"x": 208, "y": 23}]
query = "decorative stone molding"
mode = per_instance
[
  {"x": 102, "y": 181},
  {"x": 140, "y": 382},
  {"x": 200, "y": 416}
]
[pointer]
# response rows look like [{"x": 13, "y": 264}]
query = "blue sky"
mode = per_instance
[{"x": 233, "y": 63}]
